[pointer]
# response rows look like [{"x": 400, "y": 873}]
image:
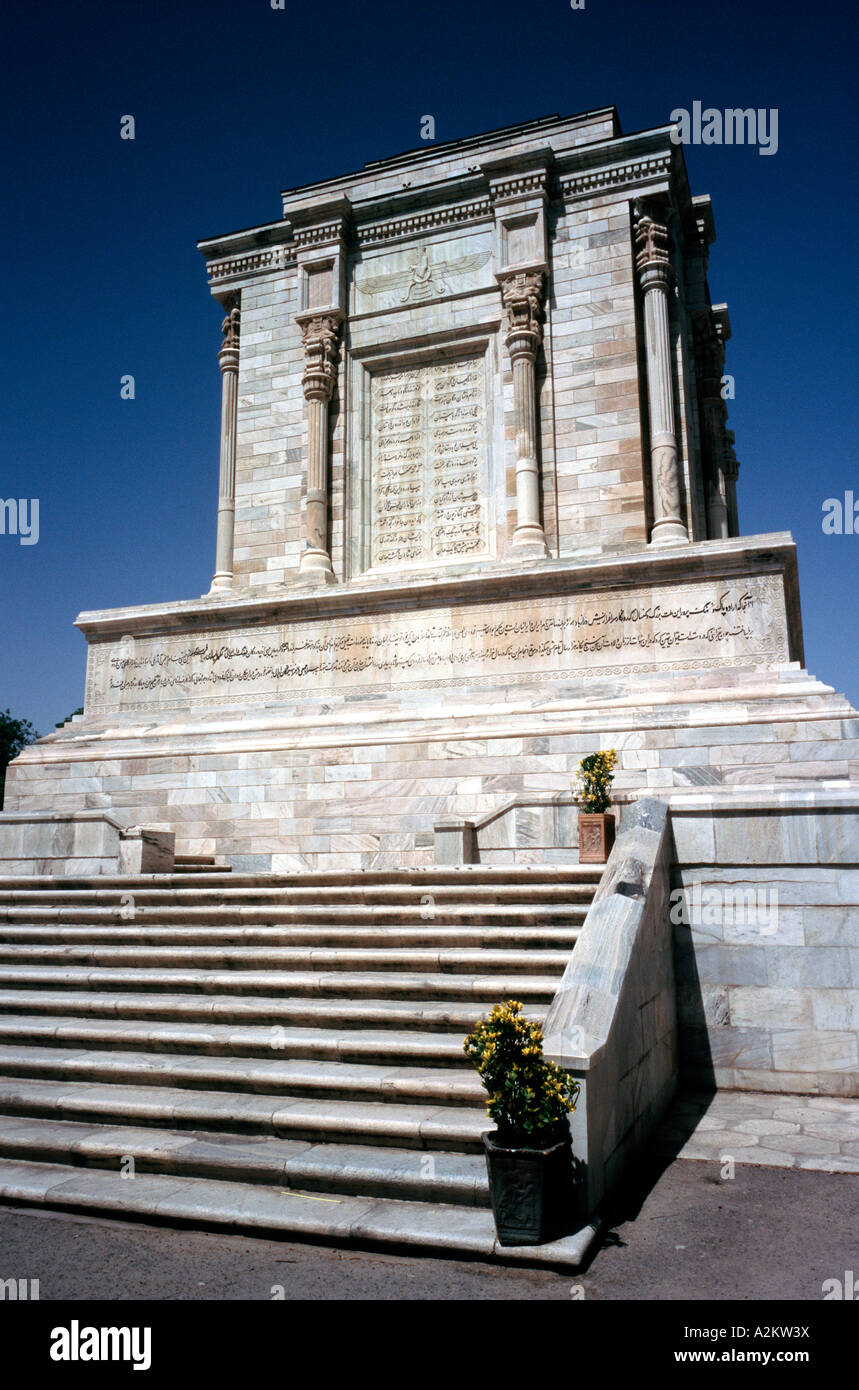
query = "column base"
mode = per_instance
[
  {"x": 669, "y": 533},
  {"x": 528, "y": 543},
  {"x": 221, "y": 584},
  {"x": 315, "y": 568}
]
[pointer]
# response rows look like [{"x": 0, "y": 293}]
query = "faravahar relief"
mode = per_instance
[{"x": 424, "y": 277}]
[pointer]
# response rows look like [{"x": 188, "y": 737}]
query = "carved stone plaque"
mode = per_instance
[{"x": 428, "y": 463}]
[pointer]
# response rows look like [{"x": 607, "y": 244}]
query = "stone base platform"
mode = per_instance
[{"x": 332, "y": 730}]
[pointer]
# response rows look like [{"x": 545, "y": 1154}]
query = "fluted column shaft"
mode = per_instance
[
  {"x": 718, "y": 524},
  {"x": 522, "y": 294},
  {"x": 654, "y": 269},
  {"x": 228, "y": 360},
  {"x": 321, "y": 350}
]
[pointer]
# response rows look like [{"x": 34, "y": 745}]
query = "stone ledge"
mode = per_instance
[{"x": 708, "y": 560}]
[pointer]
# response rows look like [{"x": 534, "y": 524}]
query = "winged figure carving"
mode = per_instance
[{"x": 423, "y": 279}]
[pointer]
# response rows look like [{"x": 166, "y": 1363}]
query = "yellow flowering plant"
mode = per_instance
[
  {"x": 593, "y": 781},
  {"x": 529, "y": 1096}
]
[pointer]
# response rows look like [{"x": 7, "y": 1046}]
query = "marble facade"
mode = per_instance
[{"x": 477, "y": 516}]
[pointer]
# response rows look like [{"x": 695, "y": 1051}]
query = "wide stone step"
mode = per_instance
[
  {"x": 356, "y": 1222},
  {"x": 292, "y": 1077},
  {"x": 514, "y": 935},
  {"x": 151, "y": 894},
  {"x": 403, "y": 1174},
  {"x": 485, "y": 989},
  {"x": 524, "y": 914},
  {"x": 426, "y": 1015},
  {"x": 224, "y": 1039},
  {"x": 456, "y": 1128},
  {"x": 426, "y": 879},
  {"x": 403, "y": 958}
]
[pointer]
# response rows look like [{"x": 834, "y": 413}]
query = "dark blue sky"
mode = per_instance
[{"x": 235, "y": 101}]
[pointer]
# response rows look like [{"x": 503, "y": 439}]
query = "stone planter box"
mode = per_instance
[
  {"x": 531, "y": 1190},
  {"x": 596, "y": 836}
]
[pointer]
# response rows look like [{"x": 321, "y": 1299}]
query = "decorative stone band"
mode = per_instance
[
  {"x": 522, "y": 296},
  {"x": 321, "y": 336},
  {"x": 228, "y": 361},
  {"x": 655, "y": 275},
  {"x": 258, "y": 263}
]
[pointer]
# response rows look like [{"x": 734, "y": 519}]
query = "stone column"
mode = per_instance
[
  {"x": 708, "y": 365},
  {"x": 731, "y": 468},
  {"x": 654, "y": 269},
  {"x": 228, "y": 358},
  {"x": 522, "y": 296},
  {"x": 320, "y": 333}
]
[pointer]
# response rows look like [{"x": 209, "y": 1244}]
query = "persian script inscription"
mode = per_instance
[
  {"x": 428, "y": 459},
  {"x": 704, "y": 625}
]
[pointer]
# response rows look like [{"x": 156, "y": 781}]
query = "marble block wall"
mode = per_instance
[{"x": 767, "y": 939}]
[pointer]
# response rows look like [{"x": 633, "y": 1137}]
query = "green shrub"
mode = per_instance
[
  {"x": 529, "y": 1097},
  {"x": 593, "y": 781}
]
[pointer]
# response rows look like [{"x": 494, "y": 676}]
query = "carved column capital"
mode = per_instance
[
  {"x": 228, "y": 356},
  {"x": 652, "y": 249},
  {"x": 709, "y": 352},
  {"x": 522, "y": 297},
  {"x": 320, "y": 335}
]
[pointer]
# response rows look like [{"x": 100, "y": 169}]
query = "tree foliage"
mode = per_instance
[{"x": 15, "y": 734}]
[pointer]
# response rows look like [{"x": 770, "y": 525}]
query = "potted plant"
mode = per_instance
[
  {"x": 528, "y": 1154},
  {"x": 593, "y": 793}
]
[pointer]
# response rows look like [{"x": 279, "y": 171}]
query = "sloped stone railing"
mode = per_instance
[
  {"x": 530, "y": 827},
  {"x": 613, "y": 1021}
]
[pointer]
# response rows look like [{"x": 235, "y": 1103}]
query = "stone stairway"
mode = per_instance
[{"x": 278, "y": 1053}]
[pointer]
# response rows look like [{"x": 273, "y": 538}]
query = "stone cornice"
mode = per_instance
[
  {"x": 646, "y": 161},
  {"x": 399, "y": 229},
  {"x": 274, "y": 258},
  {"x": 499, "y": 140},
  {"x": 775, "y": 552}
]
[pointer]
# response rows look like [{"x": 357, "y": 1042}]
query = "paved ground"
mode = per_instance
[
  {"x": 820, "y": 1133},
  {"x": 767, "y": 1233}
]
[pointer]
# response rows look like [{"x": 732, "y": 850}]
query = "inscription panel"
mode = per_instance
[
  {"x": 429, "y": 483},
  {"x": 520, "y": 642}
]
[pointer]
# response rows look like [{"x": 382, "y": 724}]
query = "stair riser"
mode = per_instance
[
  {"x": 294, "y": 1127},
  {"x": 356, "y": 938},
  {"x": 531, "y": 877},
  {"x": 311, "y": 958},
  {"x": 394, "y": 1186},
  {"x": 428, "y": 1091},
  {"x": 563, "y": 915},
  {"x": 373, "y": 1055},
  {"x": 239, "y": 1012},
  {"x": 460, "y": 987},
  {"x": 155, "y": 892}
]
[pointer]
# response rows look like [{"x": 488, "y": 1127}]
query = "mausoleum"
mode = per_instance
[{"x": 477, "y": 518}]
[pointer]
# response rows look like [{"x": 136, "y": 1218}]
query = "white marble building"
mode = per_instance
[{"x": 478, "y": 518}]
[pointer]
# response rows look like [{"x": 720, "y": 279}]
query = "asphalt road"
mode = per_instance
[{"x": 770, "y": 1233}]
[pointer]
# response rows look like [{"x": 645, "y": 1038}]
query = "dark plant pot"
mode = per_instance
[
  {"x": 596, "y": 836},
  {"x": 531, "y": 1190}
]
